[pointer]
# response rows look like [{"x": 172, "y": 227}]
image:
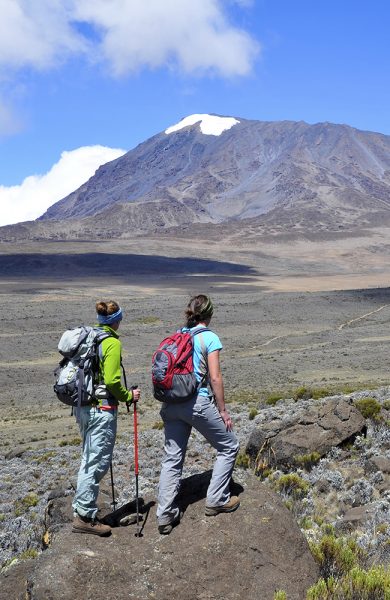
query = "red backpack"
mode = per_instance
[{"x": 173, "y": 374}]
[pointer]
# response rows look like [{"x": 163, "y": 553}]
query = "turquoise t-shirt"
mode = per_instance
[{"x": 204, "y": 344}]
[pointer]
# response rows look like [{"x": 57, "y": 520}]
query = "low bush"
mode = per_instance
[
  {"x": 306, "y": 523},
  {"x": 253, "y": 413},
  {"x": 45, "y": 457},
  {"x": 307, "y": 461},
  {"x": 149, "y": 320},
  {"x": 318, "y": 393},
  {"x": 244, "y": 396},
  {"x": 242, "y": 460},
  {"x": 158, "y": 425},
  {"x": 336, "y": 556},
  {"x": 302, "y": 393},
  {"x": 292, "y": 485},
  {"x": 23, "y": 504},
  {"x": 29, "y": 553},
  {"x": 369, "y": 407},
  {"x": 272, "y": 399},
  {"x": 73, "y": 442},
  {"x": 357, "y": 584}
]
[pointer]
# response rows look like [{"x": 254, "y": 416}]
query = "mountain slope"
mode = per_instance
[{"x": 285, "y": 172}]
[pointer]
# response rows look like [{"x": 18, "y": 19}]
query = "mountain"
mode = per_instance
[{"x": 212, "y": 169}]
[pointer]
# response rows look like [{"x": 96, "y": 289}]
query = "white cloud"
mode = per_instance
[
  {"x": 38, "y": 34},
  {"x": 36, "y": 193},
  {"x": 127, "y": 34}
]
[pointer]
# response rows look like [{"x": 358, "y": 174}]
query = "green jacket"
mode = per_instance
[{"x": 110, "y": 365}]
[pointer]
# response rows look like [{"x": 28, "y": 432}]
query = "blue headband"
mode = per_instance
[{"x": 109, "y": 319}]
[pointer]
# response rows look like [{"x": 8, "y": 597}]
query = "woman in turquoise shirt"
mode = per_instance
[{"x": 208, "y": 414}]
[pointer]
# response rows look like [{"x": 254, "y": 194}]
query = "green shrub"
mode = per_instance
[
  {"x": 386, "y": 404},
  {"x": 382, "y": 528},
  {"x": 369, "y": 407},
  {"x": 302, "y": 393},
  {"x": 45, "y": 457},
  {"x": 243, "y": 396},
  {"x": 242, "y": 460},
  {"x": 307, "y": 461},
  {"x": 73, "y": 442},
  {"x": 150, "y": 320},
  {"x": 357, "y": 584},
  {"x": 335, "y": 556},
  {"x": 280, "y": 595},
  {"x": 253, "y": 413},
  {"x": 272, "y": 399},
  {"x": 22, "y": 505},
  {"x": 318, "y": 393},
  {"x": 158, "y": 425},
  {"x": 306, "y": 523},
  {"x": 292, "y": 485},
  {"x": 320, "y": 590},
  {"x": 29, "y": 553}
]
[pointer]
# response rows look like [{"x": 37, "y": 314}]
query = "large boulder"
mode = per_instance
[
  {"x": 285, "y": 439},
  {"x": 250, "y": 553}
]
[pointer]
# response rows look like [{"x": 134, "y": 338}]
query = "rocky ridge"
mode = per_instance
[{"x": 348, "y": 488}]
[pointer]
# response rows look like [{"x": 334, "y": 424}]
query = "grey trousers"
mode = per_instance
[
  {"x": 179, "y": 419},
  {"x": 98, "y": 431}
]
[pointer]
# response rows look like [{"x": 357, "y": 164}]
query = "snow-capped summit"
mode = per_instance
[{"x": 209, "y": 124}]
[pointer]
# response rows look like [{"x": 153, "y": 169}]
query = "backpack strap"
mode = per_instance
[
  {"x": 204, "y": 371},
  {"x": 80, "y": 390},
  {"x": 93, "y": 354}
]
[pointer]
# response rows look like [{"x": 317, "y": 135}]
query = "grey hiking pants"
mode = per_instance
[
  {"x": 98, "y": 432},
  {"x": 179, "y": 419}
]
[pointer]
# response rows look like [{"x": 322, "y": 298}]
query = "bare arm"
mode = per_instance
[{"x": 216, "y": 382}]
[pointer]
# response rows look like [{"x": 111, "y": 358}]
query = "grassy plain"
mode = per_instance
[{"x": 290, "y": 313}]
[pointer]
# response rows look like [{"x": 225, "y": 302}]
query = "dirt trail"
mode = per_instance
[{"x": 340, "y": 327}]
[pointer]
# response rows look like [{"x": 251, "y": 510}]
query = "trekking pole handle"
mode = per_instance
[
  {"x": 128, "y": 404},
  {"x": 134, "y": 387}
]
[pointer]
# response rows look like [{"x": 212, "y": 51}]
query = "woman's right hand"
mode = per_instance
[
  {"x": 227, "y": 419},
  {"x": 136, "y": 394}
]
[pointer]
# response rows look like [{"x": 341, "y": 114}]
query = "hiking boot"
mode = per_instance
[
  {"x": 166, "y": 529},
  {"x": 232, "y": 505},
  {"x": 93, "y": 526}
]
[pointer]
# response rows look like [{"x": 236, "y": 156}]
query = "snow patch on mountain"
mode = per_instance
[{"x": 209, "y": 124}]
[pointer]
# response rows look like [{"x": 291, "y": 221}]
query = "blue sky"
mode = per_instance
[{"x": 104, "y": 75}]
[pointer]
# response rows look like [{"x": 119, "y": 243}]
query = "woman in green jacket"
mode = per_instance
[{"x": 98, "y": 423}]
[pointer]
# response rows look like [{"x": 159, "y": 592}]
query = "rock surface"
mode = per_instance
[
  {"x": 317, "y": 427},
  {"x": 248, "y": 554}
]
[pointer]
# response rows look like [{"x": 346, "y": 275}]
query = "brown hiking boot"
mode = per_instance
[
  {"x": 93, "y": 526},
  {"x": 232, "y": 505},
  {"x": 167, "y": 528}
]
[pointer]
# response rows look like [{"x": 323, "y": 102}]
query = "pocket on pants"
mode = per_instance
[{"x": 201, "y": 406}]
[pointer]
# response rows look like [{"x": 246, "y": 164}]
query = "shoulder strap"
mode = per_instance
[
  {"x": 202, "y": 330},
  {"x": 203, "y": 359}
]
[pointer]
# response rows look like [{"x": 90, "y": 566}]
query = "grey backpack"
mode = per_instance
[{"x": 77, "y": 374}]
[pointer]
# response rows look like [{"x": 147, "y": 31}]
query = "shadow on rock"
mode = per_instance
[
  {"x": 127, "y": 514},
  {"x": 194, "y": 488}
]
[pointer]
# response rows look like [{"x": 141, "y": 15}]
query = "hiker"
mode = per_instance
[
  {"x": 98, "y": 423},
  {"x": 207, "y": 413}
]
